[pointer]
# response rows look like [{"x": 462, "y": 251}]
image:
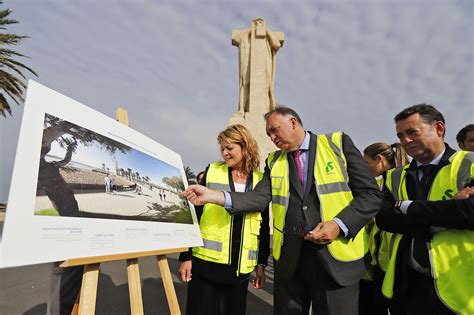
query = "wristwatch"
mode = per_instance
[{"x": 262, "y": 266}]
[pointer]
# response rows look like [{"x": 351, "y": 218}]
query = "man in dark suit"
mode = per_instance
[
  {"x": 430, "y": 203},
  {"x": 317, "y": 261}
]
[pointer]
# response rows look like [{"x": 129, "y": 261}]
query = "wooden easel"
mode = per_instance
[{"x": 86, "y": 300}]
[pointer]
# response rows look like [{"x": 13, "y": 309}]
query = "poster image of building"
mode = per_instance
[{"x": 84, "y": 174}]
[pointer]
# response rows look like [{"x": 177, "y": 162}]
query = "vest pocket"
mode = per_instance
[
  {"x": 255, "y": 224},
  {"x": 277, "y": 182}
]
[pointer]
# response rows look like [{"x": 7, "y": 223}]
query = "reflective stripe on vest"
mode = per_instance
[
  {"x": 216, "y": 226},
  {"x": 451, "y": 252},
  {"x": 330, "y": 178}
]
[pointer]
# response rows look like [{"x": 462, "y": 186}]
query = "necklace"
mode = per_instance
[{"x": 240, "y": 174}]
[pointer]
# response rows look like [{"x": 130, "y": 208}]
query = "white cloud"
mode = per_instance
[{"x": 344, "y": 65}]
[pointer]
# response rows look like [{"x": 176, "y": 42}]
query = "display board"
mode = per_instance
[{"x": 85, "y": 185}]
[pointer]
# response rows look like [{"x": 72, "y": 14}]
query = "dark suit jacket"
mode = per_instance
[{"x": 367, "y": 200}]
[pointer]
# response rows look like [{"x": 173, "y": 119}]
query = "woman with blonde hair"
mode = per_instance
[
  {"x": 218, "y": 272},
  {"x": 380, "y": 157}
]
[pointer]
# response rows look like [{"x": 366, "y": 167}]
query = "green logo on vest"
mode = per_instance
[
  {"x": 329, "y": 167},
  {"x": 448, "y": 194}
]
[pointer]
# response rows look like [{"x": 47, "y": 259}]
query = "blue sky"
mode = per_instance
[{"x": 345, "y": 65}]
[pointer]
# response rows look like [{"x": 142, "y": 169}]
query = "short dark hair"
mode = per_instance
[
  {"x": 283, "y": 110},
  {"x": 462, "y": 134},
  {"x": 427, "y": 112}
]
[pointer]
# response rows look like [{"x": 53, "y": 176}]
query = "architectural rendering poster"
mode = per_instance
[{"x": 85, "y": 185}]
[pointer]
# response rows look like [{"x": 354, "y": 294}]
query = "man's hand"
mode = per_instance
[
  {"x": 324, "y": 233},
  {"x": 199, "y": 195},
  {"x": 260, "y": 278},
  {"x": 185, "y": 270},
  {"x": 464, "y": 193}
]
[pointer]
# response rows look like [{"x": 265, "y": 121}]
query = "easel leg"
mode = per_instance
[
  {"x": 89, "y": 289},
  {"x": 134, "y": 287},
  {"x": 168, "y": 284},
  {"x": 75, "y": 309}
]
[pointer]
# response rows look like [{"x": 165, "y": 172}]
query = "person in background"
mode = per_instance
[
  {"x": 113, "y": 184},
  {"x": 380, "y": 157},
  {"x": 465, "y": 138},
  {"x": 218, "y": 273},
  {"x": 64, "y": 287},
  {"x": 107, "y": 184},
  {"x": 199, "y": 178}
]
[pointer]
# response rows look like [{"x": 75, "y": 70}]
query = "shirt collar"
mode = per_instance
[
  {"x": 435, "y": 161},
  {"x": 305, "y": 144}
]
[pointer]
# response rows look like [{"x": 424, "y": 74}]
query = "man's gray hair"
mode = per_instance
[{"x": 284, "y": 111}]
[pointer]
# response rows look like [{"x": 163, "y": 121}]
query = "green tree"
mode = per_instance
[
  {"x": 177, "y": 183},
  {"x": 166, "y": 181},
  {"x": 189, "y": 175},
  {"x": 67, "y": 135},
  {"x": 11, "y": 71}
]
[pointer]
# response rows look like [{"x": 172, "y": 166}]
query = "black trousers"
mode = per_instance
[
  {"x": 312, "y": 285},
  {"x": 211, "y": 298},
  {"x": 371, "y": 301},
  {"x": 420, "y": 297},
  {"x": 64, "y": 286}
]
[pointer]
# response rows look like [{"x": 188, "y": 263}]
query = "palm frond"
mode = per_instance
[
  {"x": 4, "y": 14},
  {"x": 11, "y": 39},
  {"x": 4, "y": 106},
  {"x": 12, "y": 64},
  {"x": 9, "y": 52},
  {"x": 11, "y": 70}
]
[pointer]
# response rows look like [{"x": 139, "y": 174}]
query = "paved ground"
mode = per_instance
[
  {"x": 24, "y": 290},
  {"x": 120, "y": 203}
]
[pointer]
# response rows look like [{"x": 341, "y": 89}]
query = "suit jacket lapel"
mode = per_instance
[{"x": 312, "y": 160}]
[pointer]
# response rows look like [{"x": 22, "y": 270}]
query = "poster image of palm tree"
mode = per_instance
[{"x": 86, "y": 174}]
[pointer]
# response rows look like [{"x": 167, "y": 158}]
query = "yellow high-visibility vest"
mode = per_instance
[
  {"x": 451, "y": 252},
  {"x": 373, "y": 230},
  {"x": 216, "y": 226},
  {"x": 389, "y": 242},
  {"x": 331, "y": 180}
]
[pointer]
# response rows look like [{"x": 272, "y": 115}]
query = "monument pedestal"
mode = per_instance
[{"x": 255, "y": 123}]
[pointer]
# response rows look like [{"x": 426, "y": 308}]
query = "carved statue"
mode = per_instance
[{"x": 257, "y": 53}]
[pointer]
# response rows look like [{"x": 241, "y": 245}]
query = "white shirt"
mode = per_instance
[
  {"x": 239, "y": 187},
  {"x": 404, "y": 205}
]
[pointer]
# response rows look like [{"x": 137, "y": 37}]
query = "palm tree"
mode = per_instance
[
  {"x": 189, "y": 174},
  {"x": 11, "y": 75}
]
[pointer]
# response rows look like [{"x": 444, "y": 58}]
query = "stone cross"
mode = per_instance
[{"x": 257, "y": 60}]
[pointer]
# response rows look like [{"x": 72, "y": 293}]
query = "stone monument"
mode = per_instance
[{"x": 258, "y": 47}]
